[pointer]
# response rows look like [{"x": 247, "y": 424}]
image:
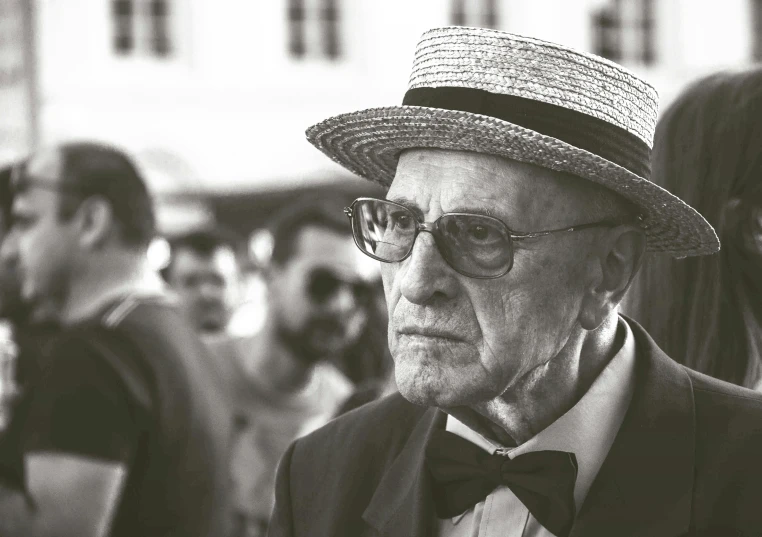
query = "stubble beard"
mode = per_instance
[
  {"x": 48, "y": 304},
  {"x": 299, "y": 343}
]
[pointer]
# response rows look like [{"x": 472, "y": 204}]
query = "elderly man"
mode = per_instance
[{"x": 518, "y": 211}]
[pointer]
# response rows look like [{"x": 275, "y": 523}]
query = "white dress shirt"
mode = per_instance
[{"x": 588, "y": 429}]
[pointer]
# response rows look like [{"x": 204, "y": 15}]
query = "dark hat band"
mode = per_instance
[{"x": 575, "y": 128}]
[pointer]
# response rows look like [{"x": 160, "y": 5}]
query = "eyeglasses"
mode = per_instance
[
  {"x": 323, "y": 284},
  {"x": 21, "y": 181},
  {"x": 474, "y": 245}
]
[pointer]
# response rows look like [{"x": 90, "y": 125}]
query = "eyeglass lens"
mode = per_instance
[{"x": 473, "y": 245}]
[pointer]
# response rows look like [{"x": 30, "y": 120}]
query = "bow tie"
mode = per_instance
[{"x": 464, "y": 474}]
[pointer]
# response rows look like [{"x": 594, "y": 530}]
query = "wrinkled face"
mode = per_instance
[
  {"x": 458, "y": 340},
  {"x": 321, "y": 294},
  {"x": 207, "y": 286},
  {"x": 39, "y": 245}
]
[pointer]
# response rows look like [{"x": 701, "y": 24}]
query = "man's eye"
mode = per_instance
[
  {"x": 479, "y": 232},
  {"x": 401, "y": 220},
  {"x": 483, "y": 233}
]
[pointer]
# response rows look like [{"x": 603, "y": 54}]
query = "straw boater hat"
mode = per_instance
[{"x": 493, "y": 92}]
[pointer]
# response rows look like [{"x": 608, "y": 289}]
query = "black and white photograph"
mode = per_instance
[{"x": 363, "y": 268}]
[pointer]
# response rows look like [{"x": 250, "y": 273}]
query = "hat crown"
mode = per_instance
[{"x": 508, "y": 64}]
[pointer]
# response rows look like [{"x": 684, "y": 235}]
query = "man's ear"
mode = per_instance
[
  {"x": 618, "y": 258},
  {"x": 96, "y": 221}
]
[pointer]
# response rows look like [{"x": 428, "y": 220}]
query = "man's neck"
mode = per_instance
[
  {"x": 286, "y": 372},
  {"x": 105, "y": 280},
  {"x": 547, "y": 392}
]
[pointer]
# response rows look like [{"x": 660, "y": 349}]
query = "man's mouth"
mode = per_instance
[{"x": 429, "y": 333}]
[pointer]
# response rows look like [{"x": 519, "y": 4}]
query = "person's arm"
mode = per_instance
[
  {"x": 67, "y": 496},
  {"x": 282, "y": 522},
  {"x": 81, "y": 430}
]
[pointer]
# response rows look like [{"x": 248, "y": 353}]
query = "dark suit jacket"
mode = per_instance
[{"x": 686, "y": 461}]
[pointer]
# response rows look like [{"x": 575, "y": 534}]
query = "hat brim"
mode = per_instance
[{"x": 369, "y": 142}]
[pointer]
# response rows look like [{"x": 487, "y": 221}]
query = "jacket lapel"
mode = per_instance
[
  {"x": 402, "y": 503},
  {"x": 645, "y": 485}
]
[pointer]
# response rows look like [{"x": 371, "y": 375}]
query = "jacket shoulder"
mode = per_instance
[
  {"x": 727, "y": 448},
  {"x": 386, "y": 422},
  {"x": 727, "y": 420},
  {"x": 710, "y": 392},
  {"x": 363, "y": 442}
]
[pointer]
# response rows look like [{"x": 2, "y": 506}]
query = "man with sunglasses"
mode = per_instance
[
  {"x": 319, "y": 288},
  {"x": 118, "y": 428},
  {"x": 518, "y": 211}
]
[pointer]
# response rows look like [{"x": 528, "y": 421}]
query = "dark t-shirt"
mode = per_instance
[
  {"x": 132, "y": 387},
  {"x": 29, "y": 344}
]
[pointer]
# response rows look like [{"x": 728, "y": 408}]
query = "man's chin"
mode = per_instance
[
  {"x": 327, "y": 344},
  {"x": 430, "y": 386},
  {"x": 432, "y": 398},
  {"x": 431, "y": 393},
  {"x": 211, "y": 326},
  {"x": 40, "y": 311}
]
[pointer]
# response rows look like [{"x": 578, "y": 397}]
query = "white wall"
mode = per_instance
[{"x": 230, "y": 109}]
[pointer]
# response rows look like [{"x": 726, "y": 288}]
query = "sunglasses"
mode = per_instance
[
  {"x": 22, "y": 180},
  {"x": 474, "y": 245},
  {"x": 324, "y": 284}
]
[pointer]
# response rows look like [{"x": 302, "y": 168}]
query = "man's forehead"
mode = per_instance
[
  {"x": 463, "y": 181},
  {"x": 450, "y": 180},
  {"x": 46, "y": 164}
]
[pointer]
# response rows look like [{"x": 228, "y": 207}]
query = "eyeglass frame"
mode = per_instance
[
  {"x": 21, "y": 180},
  {"x": 431, "y": 227}
]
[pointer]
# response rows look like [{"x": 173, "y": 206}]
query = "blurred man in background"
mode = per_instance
[
  {"x": 11, "y": 466},
  {"x": 22, "y": 343},
  {"x": 121, "y": 434},
  {"x": 10, "y": 298},
  {"x": 318, "y": 296},
  {"x": 204, "y": 273}
]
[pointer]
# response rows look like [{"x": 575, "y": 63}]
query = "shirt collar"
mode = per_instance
[{"x": 588, "y": 429}]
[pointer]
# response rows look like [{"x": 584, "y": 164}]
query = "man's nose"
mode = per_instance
[
  {"x": 425, "y": 276},
  {"x": 209, "y": 291}
]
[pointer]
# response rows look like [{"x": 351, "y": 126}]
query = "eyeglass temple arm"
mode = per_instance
[
  {"x": 521, "y": 236},
  {"x": 603, "y": 223}
]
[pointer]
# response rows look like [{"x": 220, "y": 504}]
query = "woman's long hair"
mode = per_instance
[{"x": 706, "y": 312}]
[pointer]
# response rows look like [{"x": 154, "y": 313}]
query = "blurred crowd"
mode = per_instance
[
  {"x": 124, "y": 389},
  {"x": 140, "y": 375}
]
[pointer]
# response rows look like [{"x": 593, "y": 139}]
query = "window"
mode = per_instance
[
  {"x": 141, "y": 27},
  {"x": 756, "y": 17},
  {"x": 314, "y": 28},
  {"x": 480, "y": 13},
  {"x": 11, "y": 43},
  {"x": 624, "y": 31}
]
